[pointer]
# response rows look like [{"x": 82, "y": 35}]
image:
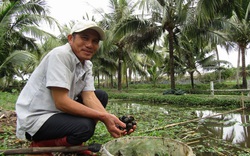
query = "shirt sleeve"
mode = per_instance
[
  {"x": 58, "y": 71},
  {"x": 88, "y": 77}
]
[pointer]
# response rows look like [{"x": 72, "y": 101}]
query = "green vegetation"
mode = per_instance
[
  {"x": 186, "y": 100},
  {"x": 7, "y": 100},
  {"x": 200, "y": 96},
  {"x": 180, "y": 108}
]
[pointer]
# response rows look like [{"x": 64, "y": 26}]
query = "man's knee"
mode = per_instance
[
  {"x": 83, "y": 133},
  {"x": 102, "y": 96}
]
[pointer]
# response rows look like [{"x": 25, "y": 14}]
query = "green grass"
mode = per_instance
[
  {"x": 184, "y": 100},
  {"x": 8, "y": 100}
]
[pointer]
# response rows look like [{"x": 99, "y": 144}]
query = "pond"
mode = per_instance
[{"x": 209, "y": 131}]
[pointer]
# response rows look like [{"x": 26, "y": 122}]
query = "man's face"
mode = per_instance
[{"x": 84, "y": 44}]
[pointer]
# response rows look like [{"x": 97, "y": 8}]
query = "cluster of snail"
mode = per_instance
[{"x": 129, "y": 121}]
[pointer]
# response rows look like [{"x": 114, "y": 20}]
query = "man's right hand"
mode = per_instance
[{"x": 112, "y": 123}]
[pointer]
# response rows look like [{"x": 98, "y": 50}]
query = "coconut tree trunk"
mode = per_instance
[
  {"x": 127, "y": 80},
  {"x": 238, "y": 69},
  {"x": 218, "y": 58},
  {"x": 171, "y": 57},
  {"x": 247, "y": 130},
  {"x": 192, "y": 79},
  {"x": 120, "y": 71},
  {"x": 244, "y": 73},
  {"x": 111, "y": 81}
]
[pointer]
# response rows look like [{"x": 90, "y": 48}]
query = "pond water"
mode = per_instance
[
  {"x": 230, "y": 127},
  {"x": 224, "y": 129}
]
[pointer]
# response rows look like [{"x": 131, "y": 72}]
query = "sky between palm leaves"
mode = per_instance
[{"x": 65, "y": 11}]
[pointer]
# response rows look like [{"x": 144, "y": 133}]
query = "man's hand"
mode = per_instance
[{"x": 113, "y": 123}]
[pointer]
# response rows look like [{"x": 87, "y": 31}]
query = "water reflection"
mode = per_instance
[
  {"x": 233, "y": 127},
  {"x": 229, "y": 127}
]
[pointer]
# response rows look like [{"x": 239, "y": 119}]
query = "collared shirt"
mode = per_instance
[{"x": 59, "y": 68}]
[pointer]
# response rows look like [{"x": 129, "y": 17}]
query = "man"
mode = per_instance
[{"x": 59, "y": 105}]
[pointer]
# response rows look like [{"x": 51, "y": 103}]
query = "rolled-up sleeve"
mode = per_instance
[
  {"x": 88, "y": 78},
  {"x": 59, "y": 73}
]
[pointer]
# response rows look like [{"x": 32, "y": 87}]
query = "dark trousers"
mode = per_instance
[{"x": 77, "y": 129}]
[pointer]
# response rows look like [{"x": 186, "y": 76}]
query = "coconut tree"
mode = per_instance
[
  {"x": 239, "y": 33},
  {"x": 194, "y": 56},
  {"x": 238, "y": 13},
  {"x": 129, "y": 34},
  {"x": 206, "y": 22},
  {"x": 171, "y": 14},
  {"x": 19, "y": 30},
  {"x": 105, "y": 64},
  {"x": 206, "y": 11}
]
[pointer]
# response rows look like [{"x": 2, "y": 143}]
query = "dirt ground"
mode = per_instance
[
  {"x": 8, "y": 131},
  {"x": 8, "y": 139},
  {"x": 7, "y": 118}
]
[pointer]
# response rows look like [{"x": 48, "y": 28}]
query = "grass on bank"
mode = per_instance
[{"x": 200, "y": 95}]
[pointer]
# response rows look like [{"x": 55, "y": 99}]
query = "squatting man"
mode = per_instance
[{"x": 59, "y": 105}]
